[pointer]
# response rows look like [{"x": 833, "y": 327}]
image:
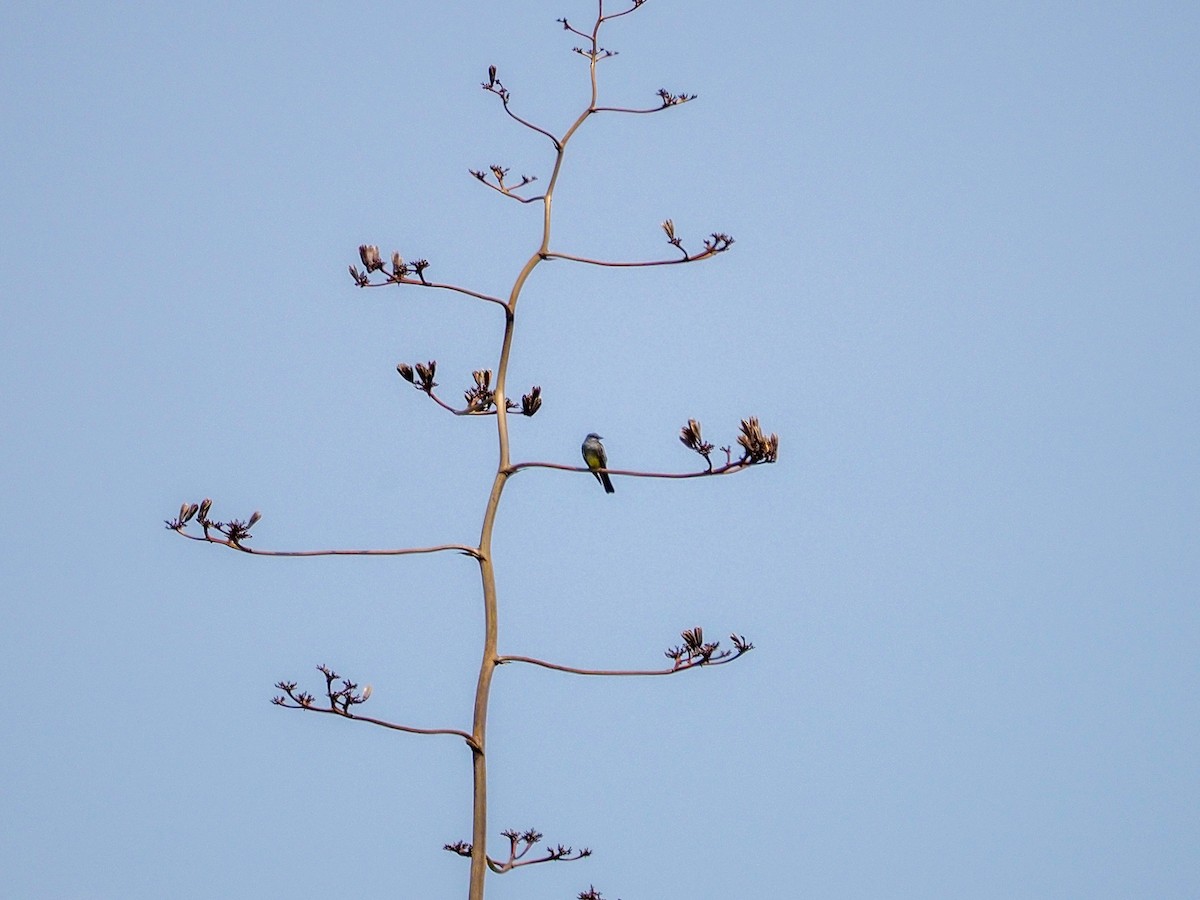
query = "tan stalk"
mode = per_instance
[{"x": 487, "y": 571}]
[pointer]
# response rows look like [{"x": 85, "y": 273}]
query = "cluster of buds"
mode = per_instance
[
  {"x": 341, "y": 698},
  {"x": 422, "y": 379},
  {"x": 758, "y": 447},
  {"x": 519, "y": 845},
  {"x": 531, "y": 402},
  {"x": 717, "y": 242},
  {"x": 697, "y": 652},
  {"x": 369, "y": 255},
  {"x": 235, "y": 530},
  {"x": 598, "y": 54},
  {"x": 499, "y": 173},
  {"x": 669, "y": 99},
  {"x": 590, "y": 894},
  {"x": 520, "y": 842},
  {"x": 480, "y": 399}
]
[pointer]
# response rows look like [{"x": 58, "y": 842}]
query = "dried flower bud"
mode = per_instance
[
  {"x": 669, "y": 99},
  {"x": 491, "y": 76},
  {"x": 531, "y": 402},
  {"x": 691, "y": 438},
  {"x": 426, "y": 371},
  {"x": 756, "y": 446},
  {"x": 406, "y": 371}
]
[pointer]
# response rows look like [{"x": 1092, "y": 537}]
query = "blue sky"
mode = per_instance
[{"x": 964, "y": 292}]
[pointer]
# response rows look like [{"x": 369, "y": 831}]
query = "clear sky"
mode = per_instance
[{"x": 964, "y": 292}]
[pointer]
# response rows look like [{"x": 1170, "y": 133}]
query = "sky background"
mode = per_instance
[{"x": 964, "y": 292}]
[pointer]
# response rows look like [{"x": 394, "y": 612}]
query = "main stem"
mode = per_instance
[{"x": 487, "y": 571}]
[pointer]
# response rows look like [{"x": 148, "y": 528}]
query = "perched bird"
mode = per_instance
[{"x": 596, "y": 458}]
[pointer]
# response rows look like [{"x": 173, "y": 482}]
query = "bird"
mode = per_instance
[{"x": 596, "y": 458}]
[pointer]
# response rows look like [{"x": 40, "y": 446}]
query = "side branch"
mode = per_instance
[
  {"x": 401, "y": 273},
  {"x": 342, "y": 697},
  {"x": 757, "y": 448},
  {"x": 494, "y": 86},
  {"x": 519, "y": 844},
  {"x": 499, "y": 172},
  {"x": 694, "y": 654},
  {"x": 666, "y": 101},
  {"x": 234, "y": 534},
  {"x": 481, "y": 399},
  {"x": 736, "y": 466},
  {"x": 714, "y": 244}
]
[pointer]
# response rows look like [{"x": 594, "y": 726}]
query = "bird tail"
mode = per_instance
[{"x": 608, "y": 488}]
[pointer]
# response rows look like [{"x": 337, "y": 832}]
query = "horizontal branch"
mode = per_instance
[
  {"x": 433, "y": 284},
  {"x": 667, "y": 100},
  {"x": 410, "y": 729},
  {"x": 346, "y": 696},
  {"x": 693, "y": 654},
  {"x": 402, "y": 272},
  {"x": 576, "y": 671},
  {"x": 719, "y": 244},
  {"x": 623, "y": 109},
  {"x": 402, "y": 551},
  {"x": 729, "y": 468}
]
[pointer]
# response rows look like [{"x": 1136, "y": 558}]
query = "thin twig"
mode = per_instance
[
  {"x": 404, "y": 551},
  {"x": 410, "y": 729},
  {"x": 687, "y": 258},
  {"x": 433, "y": 284},
  {"x": 735, "y": 466},
  {"x": 575, "y": 671}
]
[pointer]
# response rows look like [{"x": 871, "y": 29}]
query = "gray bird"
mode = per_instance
[{"x": 596, "y": 458}]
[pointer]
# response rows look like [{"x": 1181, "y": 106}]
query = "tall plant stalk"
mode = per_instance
[{"x": 342, "y": 696}]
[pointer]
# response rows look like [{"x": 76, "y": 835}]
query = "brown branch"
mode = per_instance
[
  {"x": 604, "y": 18},
  {"x": 709, "y": 251},
  {"x": 557, "y": 854},
  {"x": 667, "y": 99},
  {"x": 494, "y": 86},
  {"x": 465, "y": 411},
  {"x": 410, "y": 729},
  {"x": 694, "y": 654},
  {"x": 635, "y": 112},
  {"x": 519, "y": 844},
  {"x": 501, "y": 188},
  {"x": 342, "y": 699},
  {"x": 403, "y": 551},
  {"x": 728, "y": 468},
  {"x": 433, "y": 284},
  {"x": 572, "y": 670},
  {"x": 233, "y": 534}
]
